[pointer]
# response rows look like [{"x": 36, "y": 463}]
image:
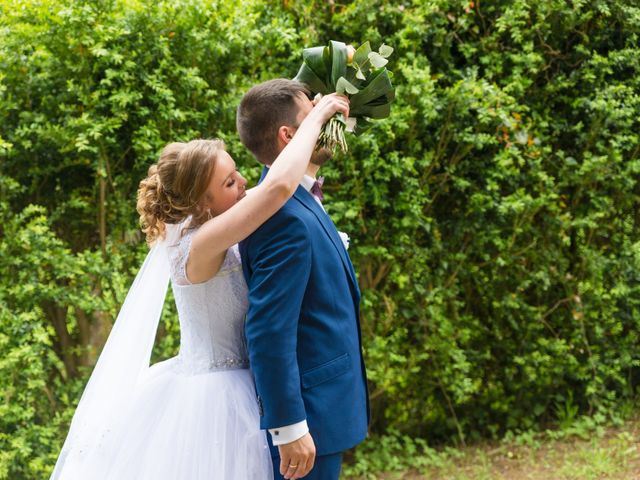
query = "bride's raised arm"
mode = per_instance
[{"x": 210, "y": 243}]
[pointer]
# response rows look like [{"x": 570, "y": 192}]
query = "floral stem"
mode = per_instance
[{"x": 332, "y": 135}]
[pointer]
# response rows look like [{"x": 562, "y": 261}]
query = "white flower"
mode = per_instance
[{"x": 345, "y": 239}]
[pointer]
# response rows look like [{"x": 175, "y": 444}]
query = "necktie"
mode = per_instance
[{"x": 316, "y": 189}]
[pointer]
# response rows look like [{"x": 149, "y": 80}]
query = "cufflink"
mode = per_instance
[{"x": 276, "y": 432}]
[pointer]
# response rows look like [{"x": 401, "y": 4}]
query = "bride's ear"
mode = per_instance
[{"x": 204, "y": 207}]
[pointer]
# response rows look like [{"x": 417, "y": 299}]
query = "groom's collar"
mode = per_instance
[
  {"x": 265, "y": 170},
  {"x": 309, "y": 202},
  {"x": 307, "y": 182}
]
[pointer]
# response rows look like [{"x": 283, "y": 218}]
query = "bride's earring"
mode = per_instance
[{"x": 209, "y": 214}]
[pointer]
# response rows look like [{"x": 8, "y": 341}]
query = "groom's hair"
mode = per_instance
[{"x": 263, "y": 110}]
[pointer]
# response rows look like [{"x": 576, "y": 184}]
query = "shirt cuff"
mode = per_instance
[{"x": 288, "y": 434}]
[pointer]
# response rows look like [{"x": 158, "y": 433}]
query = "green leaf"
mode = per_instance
[
  {"x": 313, "y": 57},
  {"x": 361, "y": 57},
  {"x": 307, "y": 76},
  {"x": 313, "y": 71},
  {"x": 338, "y": 61},
  {"x": 344, "y": 86},
  {"x": 377, "y": 60},
  {"x": 379, "y": 86},
  {"x": 385, "y": 50},
  {"x": 374, "y": 111}
]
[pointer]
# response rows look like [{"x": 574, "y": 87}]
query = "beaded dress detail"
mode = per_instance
[{"x": 211, "y": 313}]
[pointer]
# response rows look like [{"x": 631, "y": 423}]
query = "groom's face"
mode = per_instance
[{"x": 318, "y": 157}]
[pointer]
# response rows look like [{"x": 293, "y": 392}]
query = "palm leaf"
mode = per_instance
[
  {"x": 379, "y": 85},
  {"x": 338, "y": 51},
  {"x": 313, "y": 71}
]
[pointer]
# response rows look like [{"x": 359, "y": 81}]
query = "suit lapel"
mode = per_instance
[{"x": 307, "y": 200}]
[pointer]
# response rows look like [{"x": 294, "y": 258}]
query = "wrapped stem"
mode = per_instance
[{"x": 332, "y": 134}]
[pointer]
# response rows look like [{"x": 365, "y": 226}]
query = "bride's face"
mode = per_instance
[{"x": 226, "y": 186}]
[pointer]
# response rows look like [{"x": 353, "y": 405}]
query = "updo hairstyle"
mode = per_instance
[{"x": 175, "y": 186}]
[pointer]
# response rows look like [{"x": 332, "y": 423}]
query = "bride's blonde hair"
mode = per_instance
[{"x": 175, "y": 186}]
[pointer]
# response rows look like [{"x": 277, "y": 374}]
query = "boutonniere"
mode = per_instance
[{"x": 345, "y": 239}]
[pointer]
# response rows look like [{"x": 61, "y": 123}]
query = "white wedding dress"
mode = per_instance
[{"x": 194, "y": 416}]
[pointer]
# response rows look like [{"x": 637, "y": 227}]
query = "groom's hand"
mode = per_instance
[{"x": 297, "y": 458}]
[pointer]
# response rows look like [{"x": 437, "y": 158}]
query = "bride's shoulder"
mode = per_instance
[
  {"x": 181, "y": 238},
  {"x": 178, "y": 252}
]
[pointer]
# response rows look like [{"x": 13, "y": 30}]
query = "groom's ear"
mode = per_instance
[{"x": 285, "y": 134}]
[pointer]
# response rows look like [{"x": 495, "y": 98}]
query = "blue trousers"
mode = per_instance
[{"x": 326, "y": 467}]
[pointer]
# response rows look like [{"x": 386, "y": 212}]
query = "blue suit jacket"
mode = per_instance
[{"x": 302, "y": 328}]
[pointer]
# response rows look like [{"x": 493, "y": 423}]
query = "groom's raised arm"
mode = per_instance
[{"x": 277, "y": 264}]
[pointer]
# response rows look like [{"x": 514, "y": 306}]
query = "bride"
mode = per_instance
[{"x": 194, "y": 416}]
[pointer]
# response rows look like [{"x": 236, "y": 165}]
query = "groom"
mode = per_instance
[{"x": 302, "y": 328}]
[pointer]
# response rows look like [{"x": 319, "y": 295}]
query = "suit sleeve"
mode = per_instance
[{"x": 278, "y": 268}]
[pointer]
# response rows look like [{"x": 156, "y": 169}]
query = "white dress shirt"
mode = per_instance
[{"x": 307, "y": 183}]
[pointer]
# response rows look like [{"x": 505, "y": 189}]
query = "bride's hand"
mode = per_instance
[{"x": 328, "y": 106}]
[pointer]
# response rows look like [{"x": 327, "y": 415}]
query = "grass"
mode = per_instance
[{"x": 605, "y": 453}]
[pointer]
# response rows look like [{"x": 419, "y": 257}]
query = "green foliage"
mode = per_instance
[
  {"x": 29, "y": 275},
  {"x": 497, "y": 211},
  {"x": 535, "y": 456},
  {"x": 92, "y": 91},
  {"x": 493, "y": 216},
  {"x": 395, "y": 452}
]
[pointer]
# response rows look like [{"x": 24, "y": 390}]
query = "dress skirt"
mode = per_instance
[{"x": 181, "y": 425}]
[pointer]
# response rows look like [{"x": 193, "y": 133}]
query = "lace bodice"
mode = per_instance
[{"x": 211, "y": 313}]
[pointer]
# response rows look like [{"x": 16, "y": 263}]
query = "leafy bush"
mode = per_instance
[
  {"x": 497, "y": 212},
  {"x": 493, "y": 217}
]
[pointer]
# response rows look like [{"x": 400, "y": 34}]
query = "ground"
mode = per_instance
[{"x": 612, "y": 454}]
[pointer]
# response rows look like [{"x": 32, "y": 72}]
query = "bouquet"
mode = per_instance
[{"x": 359, "y": 74}]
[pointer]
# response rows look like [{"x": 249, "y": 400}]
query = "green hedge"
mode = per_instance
[{"x": 494, "y": 216}]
